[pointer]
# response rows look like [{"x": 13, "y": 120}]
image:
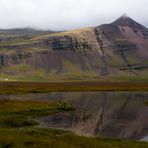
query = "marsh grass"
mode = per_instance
[
  {"x": 17, "y": 113},
  {"x": 16, "y": 121},
  {"x": 37, "y": 87},
  {"x": 41, "y": 138}
]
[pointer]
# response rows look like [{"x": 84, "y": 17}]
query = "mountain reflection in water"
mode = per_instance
[{"x": 106, "y": 114}]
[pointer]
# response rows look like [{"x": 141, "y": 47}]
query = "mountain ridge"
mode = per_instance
[{"x": 109, "y": 52}]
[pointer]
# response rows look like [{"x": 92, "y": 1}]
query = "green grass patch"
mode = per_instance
[
  {"x": 41, "y": 138},
  {"x": 20, "y": 113},
  {"x": 16, "y": 121}
]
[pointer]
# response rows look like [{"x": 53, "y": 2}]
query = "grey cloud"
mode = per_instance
[{"x": 68, "y": 14}]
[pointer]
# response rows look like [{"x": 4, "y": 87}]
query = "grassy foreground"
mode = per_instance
[
  {"x": 37, "y": 87},
  {"x": 46, "y": 138}
]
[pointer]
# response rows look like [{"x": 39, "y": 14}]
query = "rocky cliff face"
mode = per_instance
[{"x": 111, "y": 50}]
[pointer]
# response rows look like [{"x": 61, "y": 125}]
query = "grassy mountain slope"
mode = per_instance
[{"x": 111, "y": 52}]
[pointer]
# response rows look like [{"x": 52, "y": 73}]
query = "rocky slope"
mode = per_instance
[{"x": 116, "y": 51}]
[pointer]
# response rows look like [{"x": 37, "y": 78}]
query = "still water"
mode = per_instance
[{"x": 105, "y": 114}]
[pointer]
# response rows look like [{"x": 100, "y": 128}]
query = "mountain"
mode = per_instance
[
  {"x": 23, "y": 32},
  {"x": 109, "y": 52}
]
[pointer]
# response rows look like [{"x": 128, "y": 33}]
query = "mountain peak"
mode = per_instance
[
  {"x": 124, "y": 16},
  {"x": 125, "y": 20}
]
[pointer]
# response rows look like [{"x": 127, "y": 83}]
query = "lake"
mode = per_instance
[{"x": 106, "y": 114}]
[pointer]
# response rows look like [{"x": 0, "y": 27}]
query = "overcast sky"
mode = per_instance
[{"x": 68, "y": 14}]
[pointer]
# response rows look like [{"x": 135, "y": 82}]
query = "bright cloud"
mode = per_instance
[{"x": 68, "y": 14}]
